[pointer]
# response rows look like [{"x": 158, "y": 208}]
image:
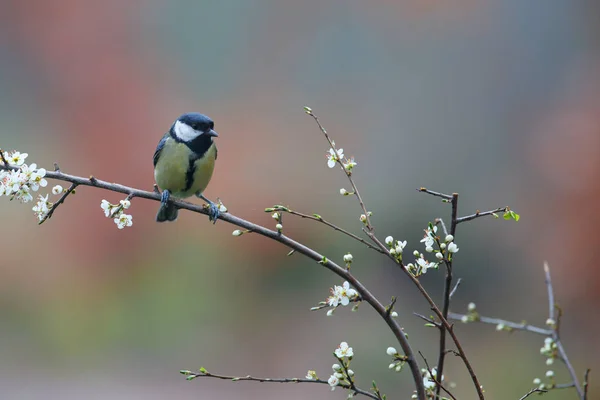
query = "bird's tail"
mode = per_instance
[{"x": 167, "y": 212}]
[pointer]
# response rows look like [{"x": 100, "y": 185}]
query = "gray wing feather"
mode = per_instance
[{"x": 159, "y": 148}]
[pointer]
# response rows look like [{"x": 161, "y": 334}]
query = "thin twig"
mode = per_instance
[
  {"x": 6, "y": 165},
  {"x": 348, "y": 173},
  {"x": 369, "y": 230},
  {"x": 276, "y": 380},
  {"x": 480, "y": 214},
  {"x": 59, "y": 202},
  {"x": 433, "y": 377},
  {"x": 555, "y": 334},
  {"x": 365, "y": 294},
  {"x": 428, "y": 320},
  {"x": 447, "y": 293},
  {"x": 335, "y": 227},
  {"x": 441, "y": 222},
  {"x": 458, "y": 281},
  {"x": 509, "y": 324},
  {"x": 532, "y": 391},
  {"x": 437, "y": 194},
  {"x": 438, "y": 313}
]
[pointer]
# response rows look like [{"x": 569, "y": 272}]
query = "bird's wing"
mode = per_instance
[{"x": 159, "y": 148}]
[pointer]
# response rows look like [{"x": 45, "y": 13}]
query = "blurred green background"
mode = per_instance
[{"x": 496, "y": 100}]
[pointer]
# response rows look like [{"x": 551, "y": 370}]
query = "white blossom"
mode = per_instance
[
  {"x": 344, "y": 350},
  {"x": 348, "y": 258},
  {"x": 311, "y": 375},
  {"x": 42, "y": 207},
  {"x": 389, "y": 240},
  {"x": 237, "y": 232},
  {"x": 332, "y": 157},
  {"x": 391, "y": 351},
  {"x": 125, "y": 204},
  {"x": 123, "y": 220},
  {"x": 452, "y": 247},
  {"x": 16, "y": 158},
  {"x": 429, "y": 238},
  {"x": 333, "y": 381},
  {"x": 56, "y": 190}
]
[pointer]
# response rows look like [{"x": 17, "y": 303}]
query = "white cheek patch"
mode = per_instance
[{"x": 185, "y": 132}]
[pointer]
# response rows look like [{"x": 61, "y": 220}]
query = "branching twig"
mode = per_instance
[
  {"x": 59, "y": 201},
  {"x": 480, "y": 214},
  {"x": 434, "y": 378},
  {"x": 532, "y": 391},
  {"x": 348, "y": 173},
  {"x": 352, "y": 387},
  {"x": 437, "y": 194},
  {"x": 365, "y": 294},
  {"x": 335, "y": 227},
  {"x": 458, "y": 281},
  {"x": 509, "y": 324},
  {"x": 556, "y": 336}
]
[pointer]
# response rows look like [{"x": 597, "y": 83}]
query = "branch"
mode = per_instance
[
  {"x": 348, "y": 173},
  {"x": 556, "y": 336},
  {"x": 190, "y": 375},
  {"x": 437, "y": 194},
  {"x": 365, "y": 294},
  {"x": 434, "y": 378},
  {"x": 532, "y": 391},
  {"x": 59, "y": 202},
  {"x": 480, "y": 214},
  {"x": 331, "y": 225},
  {"x": 447, "y": 294},
  {"x": 512, "y": 325}
]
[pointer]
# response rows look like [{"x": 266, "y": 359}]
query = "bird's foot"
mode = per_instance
[
  {"x": 164, "y": 197},
  {"x": 213, "y": 209}
]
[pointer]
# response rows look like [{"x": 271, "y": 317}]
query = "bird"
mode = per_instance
[{"x": 184, "y": 161}]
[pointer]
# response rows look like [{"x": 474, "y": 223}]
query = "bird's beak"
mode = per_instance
[{"x": 212, "y": 133}]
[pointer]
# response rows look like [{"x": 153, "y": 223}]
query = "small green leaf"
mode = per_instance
[
  {"x": 235, "y": 379},
  {"x": 185, "y": 372},
  {"x": 189, "y": 378},
  {"x": 430, "y": 325},
  {"x": 495, "y": 215},
  {"x": 203, "y": 370},
  {"x": 323, "y": 260},
  {"x": 317, "y": 216},
  {"x": 506, "y": 216}
]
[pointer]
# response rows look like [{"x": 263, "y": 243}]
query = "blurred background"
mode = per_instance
[{"x": 498, "y": 101}]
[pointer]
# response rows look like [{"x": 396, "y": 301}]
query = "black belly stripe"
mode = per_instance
[{"x": 189, "y": 175}]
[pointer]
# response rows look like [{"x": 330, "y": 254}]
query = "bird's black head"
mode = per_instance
[
  {"x": 198, "y": 122},
  {"x": 192, "y": 126}
]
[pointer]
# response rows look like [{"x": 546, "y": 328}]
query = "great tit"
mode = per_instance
[{"x": 184, "y": 161}]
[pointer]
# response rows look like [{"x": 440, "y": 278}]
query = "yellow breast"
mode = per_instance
[{"x": 175, "y": 173}]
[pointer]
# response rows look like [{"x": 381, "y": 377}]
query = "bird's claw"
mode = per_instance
[
  {"x": 213, "y": 211},
  {"x": 164, "y": 197}
]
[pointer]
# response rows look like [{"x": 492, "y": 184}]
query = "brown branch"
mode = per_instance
[
  {"x": 512, "y": 325},
  {"x": 556, "y": 336},
  {"x": 3, "y": 158},
  {"x": 331, "y": 225},
  {"x": 352, "y": 387},
  {"x": 480, "y": 214},
  {"x": 437, "y": 194},
  {"x": 348, "y": 173},
  {"x": 447, "y": 293},
  {"x": 437, "y": 381},
  {"x": 532, "y": 391},
  {"x": 365, "y": 294},
  {"x": 59, "y": 201}
]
